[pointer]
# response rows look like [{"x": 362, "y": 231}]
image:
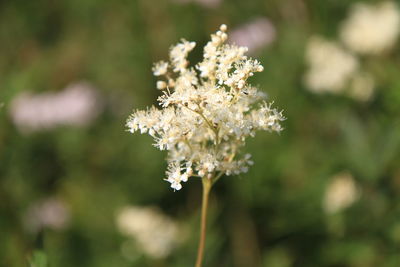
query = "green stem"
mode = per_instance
[{"x": 207, "y": 184}]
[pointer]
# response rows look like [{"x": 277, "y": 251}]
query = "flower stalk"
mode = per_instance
[{"x": 207, "y": 184}]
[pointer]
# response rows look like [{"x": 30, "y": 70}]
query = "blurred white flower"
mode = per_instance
[
  {"x": 78, "y": 104},
  {"x": 255, "y": 34},
  {"x": 330, "y": 66},
  {"x": 155, "y": 233},
  {"x": 362, "y": 87},
  {"x": 49, "y": 213},
  {"x": 341, "y": 193},
  {"x": 371, "y": 29}
]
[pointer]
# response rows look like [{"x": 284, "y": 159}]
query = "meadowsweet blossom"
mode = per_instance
[
  {"x": 207, "y": 111},
  {"x": 154, "y": 232},
  {"x": 160, "y": 68},
  {"x": 330, "y": 66},
  {"x": 371, "y": 29},
  {"x": 341, "y": 193}
]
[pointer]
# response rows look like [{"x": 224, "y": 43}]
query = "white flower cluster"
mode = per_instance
[
  {"x": 330, "y": 66},
  {"x": 341, "y": 193},
  {"x": 154, "y": 232},
  {"x": 207, "y": 111},
  {"x": 371, "y": 29},
  {"x": 334, "y": 70}
]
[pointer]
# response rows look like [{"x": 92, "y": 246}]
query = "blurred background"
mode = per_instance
[{"x": 83, "y": 191}]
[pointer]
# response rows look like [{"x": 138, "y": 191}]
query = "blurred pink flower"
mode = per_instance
[
  {"x": 49, "y": 213},
  {"x": 255, "y": 34},
  {"x": 205, "y": 3},
  {"x": 78, "y": 104}
]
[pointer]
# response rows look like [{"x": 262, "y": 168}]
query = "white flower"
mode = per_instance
[
  {"x": 161, "y": 85},
  {"x": 330, "y": 66},
  {"x": 160, "y": 68},
  {"x": 175, "y": 175},
  {"x": 341, "y": 193},
  {"x": 207, "y": 111},
  {"x": 179, "y": 53},
  {"x": 371, "y": 29},
  {"x": 156, "y": 234}
]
